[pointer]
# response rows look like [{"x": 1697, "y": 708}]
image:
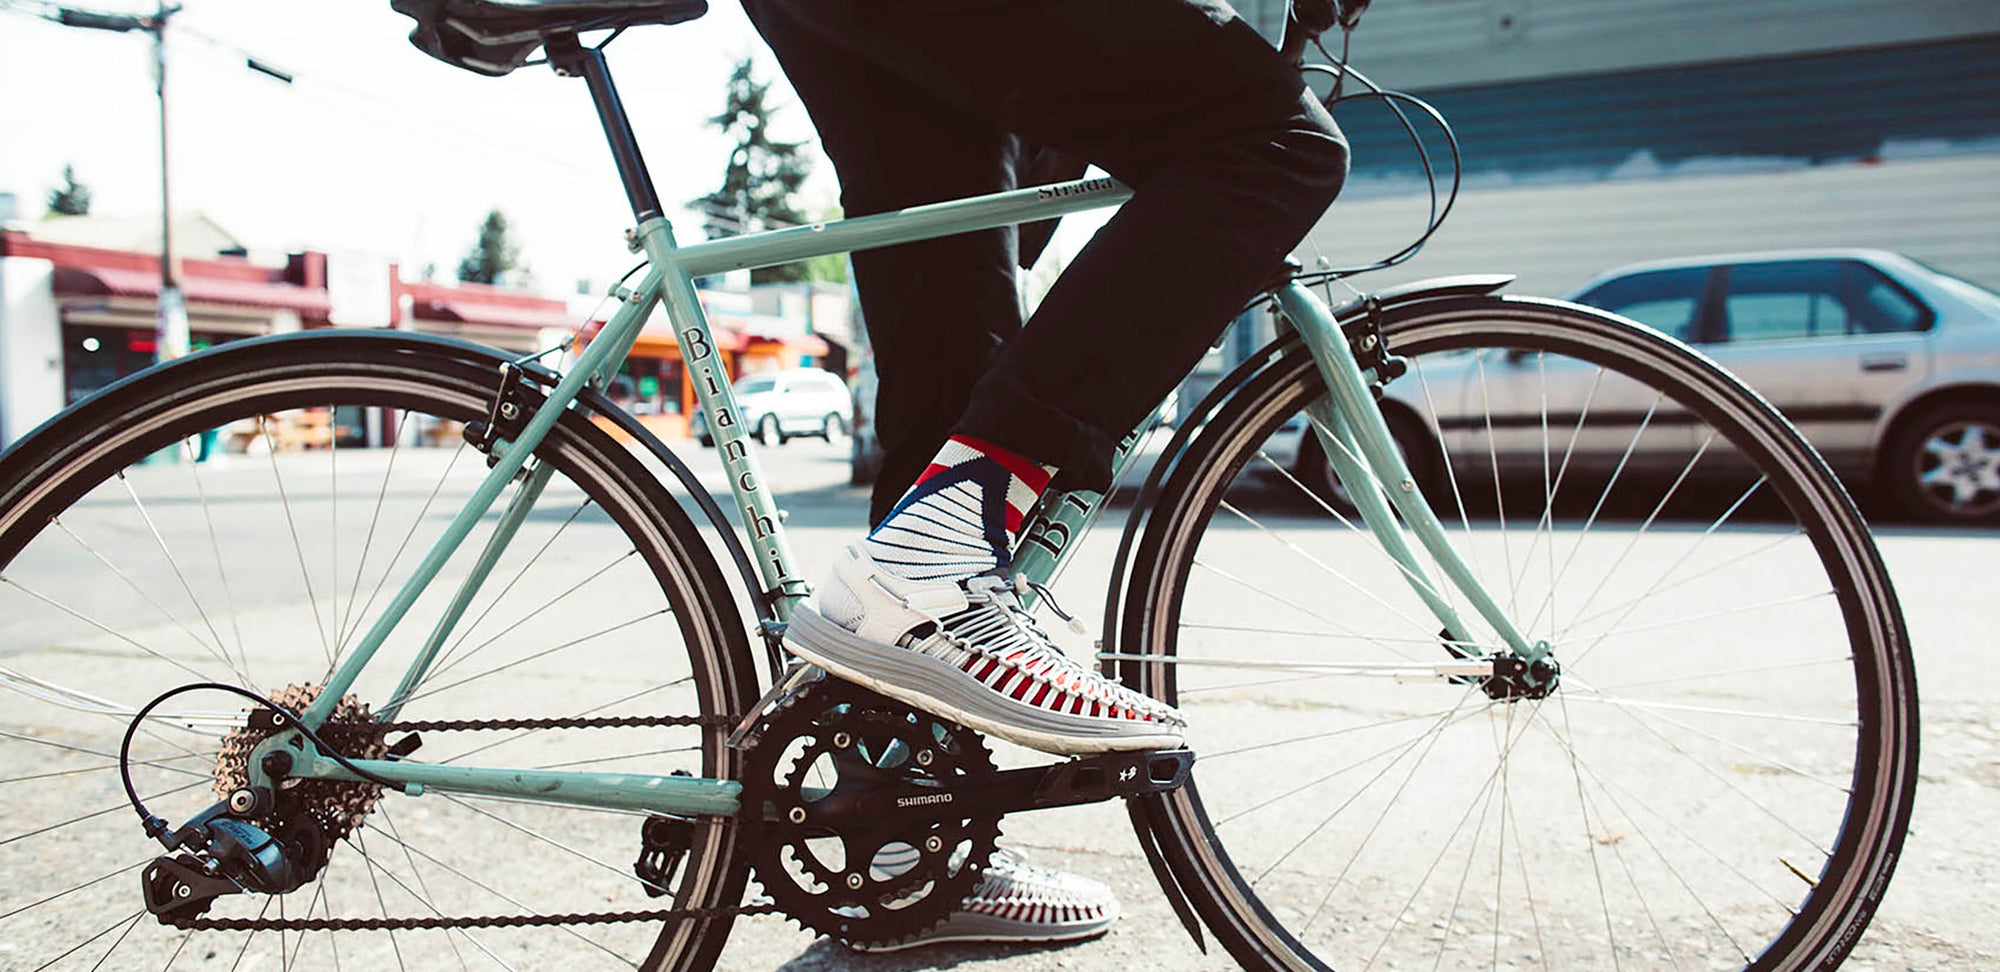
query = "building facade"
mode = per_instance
[{"x": 1596, "y": 134}]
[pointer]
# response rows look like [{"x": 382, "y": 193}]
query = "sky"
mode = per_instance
[{"x": 374, "y": 147}]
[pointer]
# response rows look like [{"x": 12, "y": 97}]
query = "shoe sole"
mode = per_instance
[{"x": 941, "y": 688}]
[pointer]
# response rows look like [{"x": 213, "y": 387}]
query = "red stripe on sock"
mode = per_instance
[
  {"x": 1025, "y": 469},
  {"x": 929, "y": 471}
]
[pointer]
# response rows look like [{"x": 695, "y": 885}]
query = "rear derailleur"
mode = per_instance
[{"x": 870, "y": 821}]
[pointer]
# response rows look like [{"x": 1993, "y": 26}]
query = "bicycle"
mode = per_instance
[{"x": 1710, "y": 728}]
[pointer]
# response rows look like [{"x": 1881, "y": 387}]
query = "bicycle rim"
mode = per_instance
[
  {"x": 1722, "y": 776},
  {"x": 126, "y": 568}
]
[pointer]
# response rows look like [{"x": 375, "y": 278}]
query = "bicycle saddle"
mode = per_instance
[{"x": 493, "y": 37}]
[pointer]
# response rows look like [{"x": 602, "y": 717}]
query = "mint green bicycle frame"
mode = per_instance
[{"x": 1352, "y": 434}]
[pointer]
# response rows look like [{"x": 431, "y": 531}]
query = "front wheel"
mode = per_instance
[
  {"x": 1719, "y": 776},
  {"x": 769, "y": 432},
  {"x": 127, "y": 568}
]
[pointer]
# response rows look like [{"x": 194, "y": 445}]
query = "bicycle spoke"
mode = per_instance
[
  {"x": 374, "y": 521},
  {"x": 537, "y": 655},
  {"x": 499, "y": 597},
  {"x": 1429, "y": 738},
  {"x": 360, "y": 844},
  {"x": 443, "y": 666},
  {"x": 107, "y": 629},
  {"x": 127, "y": 921},
  {"x": 94, "y": 814},
  {"x": 381, "y": 582},
  {"x": 221, "y": 570},
  {"x": 221, "y": 647},
  {"x": 127, "y": 869},
  {"x": 298, "y": 547},
  {"x": 503, "y": 896},
  {"x": 411, "y": 859}
]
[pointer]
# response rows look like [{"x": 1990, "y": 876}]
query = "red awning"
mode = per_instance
[
  {"x": 505, "y": 315},
  {"x": 263, "y": 294}
]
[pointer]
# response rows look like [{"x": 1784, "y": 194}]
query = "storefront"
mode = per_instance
[{"x": 654, "y": 384}]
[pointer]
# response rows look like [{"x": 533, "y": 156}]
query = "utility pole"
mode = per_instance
[{"x": 170, "y": 339}]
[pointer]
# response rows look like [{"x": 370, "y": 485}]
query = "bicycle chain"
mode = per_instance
[
  {"x": 484, "y": 921},
  {"x": 499, "y": 921}
]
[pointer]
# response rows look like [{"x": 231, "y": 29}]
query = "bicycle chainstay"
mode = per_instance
[{"x": 431, "y": 922}]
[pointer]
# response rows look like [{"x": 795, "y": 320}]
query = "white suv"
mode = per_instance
[{"x": 778, "y": 405}]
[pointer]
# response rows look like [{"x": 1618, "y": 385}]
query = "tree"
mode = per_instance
[
  {"x": 73, "y": 199},
  {"x": 494, "y": 256},
  {"x": 763, "y": 174}
]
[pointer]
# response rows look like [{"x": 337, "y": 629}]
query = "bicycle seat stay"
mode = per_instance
[{"x": 493, "y": 37}]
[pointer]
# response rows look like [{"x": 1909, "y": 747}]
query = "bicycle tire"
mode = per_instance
[
  {"x": 1267, "y": 908},
  {"x": 542, "y": 648}
]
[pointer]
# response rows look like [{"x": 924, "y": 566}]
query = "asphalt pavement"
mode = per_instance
[{"x": 1941, "y": 913}]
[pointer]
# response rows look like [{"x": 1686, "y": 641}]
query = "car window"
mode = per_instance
[
  {"x": 755, "y": 385},
  {"x": 1881, "y": 307},
  {"x": 1776, "y": 301},
  {"x": 1815, "y": 299},
  {"x": 1668, "y": 300}
]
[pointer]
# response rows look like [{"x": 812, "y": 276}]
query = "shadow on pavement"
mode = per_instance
[{"x": 825, "y": 956}]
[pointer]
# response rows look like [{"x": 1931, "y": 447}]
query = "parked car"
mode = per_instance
[
  {"x": 779, "y": 405},
  {"x": 1890, "y": 368}
]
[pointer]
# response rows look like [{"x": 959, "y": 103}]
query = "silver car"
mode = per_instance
[
  {"x": 1890, "y": 368},
  {"x": 779, "y": 405}
]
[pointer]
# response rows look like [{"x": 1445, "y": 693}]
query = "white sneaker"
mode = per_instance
[
  {"x": 969, "y": 651},
  {"x": 1019, "y": 902}
]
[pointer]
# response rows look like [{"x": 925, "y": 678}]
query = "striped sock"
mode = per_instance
[{"x": 962, "y": 515}]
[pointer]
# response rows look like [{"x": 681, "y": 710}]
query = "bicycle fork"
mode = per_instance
[{"x": 1356, "y": 439}]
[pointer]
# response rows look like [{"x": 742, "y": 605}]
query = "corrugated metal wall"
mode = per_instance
[
  {"x": 1813, "y": 108},
  {"x": 1435, "y": 43},
  {"x": 1944, "y": 211}
]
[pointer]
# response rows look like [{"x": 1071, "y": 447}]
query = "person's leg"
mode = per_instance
[
  {"x": 937, "y": 311},
  {"x": 1231, "y": 158},
  {"x": 1231, "y": 161}
]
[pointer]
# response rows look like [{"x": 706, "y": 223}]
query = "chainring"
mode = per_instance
[
  {"x": 878, "y": 883},
  {"x": 332, "y": 808}
]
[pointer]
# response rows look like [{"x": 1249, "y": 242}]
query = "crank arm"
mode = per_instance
[{"x": 1090, "y": 779}]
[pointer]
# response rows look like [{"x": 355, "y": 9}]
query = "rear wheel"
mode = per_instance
[
  {"x": 1945, "y": 466},
  {"x": 126, "y": 568},
  {"x": 1720, "y": 775}
]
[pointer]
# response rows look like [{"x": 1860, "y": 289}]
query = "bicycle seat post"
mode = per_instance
[{"x": 570, "y": 58}]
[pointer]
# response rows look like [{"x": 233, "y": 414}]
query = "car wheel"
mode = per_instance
[
  {"x": 1316, "y": 473},
  {"x": 768, "y": 431},
  {"x": 832, "y": 426},
  {"x": 1945, "y": 466}
]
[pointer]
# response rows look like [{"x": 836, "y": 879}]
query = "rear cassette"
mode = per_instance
[{"x": 828, "y": 843}]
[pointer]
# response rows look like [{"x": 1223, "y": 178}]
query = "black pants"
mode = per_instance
[{"x": 919, "y": 101}]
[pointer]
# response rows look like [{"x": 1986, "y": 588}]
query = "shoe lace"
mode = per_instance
[{"x": 999, "y": 624}]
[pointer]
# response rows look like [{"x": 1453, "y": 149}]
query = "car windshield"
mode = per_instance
[{"x": 1966, "y": 290}]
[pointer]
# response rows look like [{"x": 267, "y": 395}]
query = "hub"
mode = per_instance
[{"x": 1517, "y": 678}]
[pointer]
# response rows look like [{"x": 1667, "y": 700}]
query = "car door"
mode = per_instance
[{"x": 1828, "y": 341}]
